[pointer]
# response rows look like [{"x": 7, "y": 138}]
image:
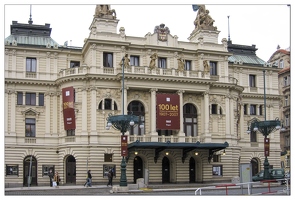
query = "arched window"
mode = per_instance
[
  {"x": 137, "y": 109},
  {"x": 190, "y": 121}
]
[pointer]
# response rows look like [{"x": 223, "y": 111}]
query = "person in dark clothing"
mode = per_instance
[
  {"x": 110, "y": 177},
  {"x": 89, "y": 179},
  {"x": 50, "y": 174}
]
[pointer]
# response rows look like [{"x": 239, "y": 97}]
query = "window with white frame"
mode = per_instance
[
  {"x": 107, "y": 59},
  {"x": 281, "y": 63},
  {"x": 30, "y": 127},
  {"x": 162, "y": 63},
  {"x": 134, "y": 60},
  {"x": 31, "y": 99},
  {"x": 286, "y": 100},
  {"x": 213, "y": 68},
  {"x": 188, "y": 65},
  {"x": 31, "y": 64},
  {"x": 217, "y": 170}
]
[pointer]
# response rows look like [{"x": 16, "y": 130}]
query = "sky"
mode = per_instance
[{"x": 265, "y": 25}]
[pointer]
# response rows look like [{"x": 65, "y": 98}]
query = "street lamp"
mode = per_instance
[
  {"x": 265, "y": 127},
  {"x": 122, "y": 123}
]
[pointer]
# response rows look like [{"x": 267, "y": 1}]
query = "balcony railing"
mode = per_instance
[{"x": 146, "y": 71}]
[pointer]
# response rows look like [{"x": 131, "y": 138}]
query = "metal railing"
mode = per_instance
[{"x": 249, "y": 186}]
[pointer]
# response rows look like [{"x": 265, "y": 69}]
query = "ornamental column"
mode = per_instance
[
  {"x": 84, "y": 116},
  {"x": 181, "y": 134},
  {"x": 153, "y": 117},
  {"x": 207, "y": 137},
  {"x": 93, "y": 110}
]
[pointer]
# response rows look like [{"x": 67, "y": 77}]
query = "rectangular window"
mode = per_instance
[
  {"x": 188, "y": 65},
  {"x": 253, "y": 136},
  {"x": 107, "y": 59},
  {"x": 252, "y": 82},
  {"x": 252, "y": 109},
  {"x": 286, "y": 101},
  {"x": 74, "y": 64},
  {"x": 213, "y": 108},
  {"x": 108, "y": 157},
  {"x": 134, "y": 60},
  {"x": 46, "y": 168},
  {"x": 19, "y": 98},
  {"x": 286, "y": 81},
  {"x": 217, "y": 170},
  {"x": 31, "y": 99},
  {"x": 41, "y": 99},
  {"x": 162, "y": 63},
  {"x": 70, "y": 132},
  {"x": 31, "y": 64},
  {"x": 213, "y": 68},
  {"x": 11, "y": 170},
  {"x": 30, "y": 127},
  {"x": 281, "y": 64}
]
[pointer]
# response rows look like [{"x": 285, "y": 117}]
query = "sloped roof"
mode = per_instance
[
  {"x": 243, "y": 53},
  {"x": 30, "y": 34}
]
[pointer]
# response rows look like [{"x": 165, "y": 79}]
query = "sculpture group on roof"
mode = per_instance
[
  {"x": 204, "y": 20},
  {"x": 105, "y": 11}
]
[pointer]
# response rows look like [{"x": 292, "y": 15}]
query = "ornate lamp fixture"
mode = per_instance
[{"x": 123, "y": 123}]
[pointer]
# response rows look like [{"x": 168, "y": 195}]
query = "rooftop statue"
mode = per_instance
[
  {"x": 105, "y": 11},
  {"x": 204, "y": 20}
]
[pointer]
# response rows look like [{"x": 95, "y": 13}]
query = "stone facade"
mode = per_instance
[{"x": 219, "y": 97}]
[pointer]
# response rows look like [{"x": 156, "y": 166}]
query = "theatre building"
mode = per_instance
[{"x": 193, "y": 101}]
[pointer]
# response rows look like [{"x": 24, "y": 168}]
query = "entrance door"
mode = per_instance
[
  {"x": 192, "y": 170},
  {"x": 33, "y": 173},
  {"x": 71, "y": 170},
  {"x": 254, "y": 163},
  {"x": 138, "y": 168},
  {"x": 165, "y": 170}
]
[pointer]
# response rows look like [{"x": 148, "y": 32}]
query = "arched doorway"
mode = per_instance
[
  {"x": 138, "y": 168},
  {"x": 255, "y": 165},
  {"x": 70, "y": 170},
  {"x": 165, "y": 170},
  {"x": 30, "y": 168},
  {"x": 192, "y": 170}
]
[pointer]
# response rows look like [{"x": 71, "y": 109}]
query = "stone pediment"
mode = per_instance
[{"x": 30, "y": 112}]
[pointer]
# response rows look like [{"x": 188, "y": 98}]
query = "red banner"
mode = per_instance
[
  {"x": 266, "y": 147},
  {"x": 168, "y": 112},
  {"x": 68, "y": 96},
  {"x": 124, "y": 145}
]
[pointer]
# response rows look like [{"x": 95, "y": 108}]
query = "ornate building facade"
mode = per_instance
[{"x": 218, "y": 88}]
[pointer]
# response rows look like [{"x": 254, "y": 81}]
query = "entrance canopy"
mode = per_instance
[{"x": 186, "y": 147}]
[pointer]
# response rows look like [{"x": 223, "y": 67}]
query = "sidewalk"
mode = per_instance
[{"x": 151, "y": 187}]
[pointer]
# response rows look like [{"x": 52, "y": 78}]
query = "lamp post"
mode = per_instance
[
  {"x": 265, "y": 127},
  {"x": 122, "y": 123}
]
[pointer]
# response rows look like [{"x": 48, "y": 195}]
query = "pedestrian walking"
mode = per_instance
[
  {"x": 50, "y": 174},
  {"x": 89, "y": 179},
  {"x": 110, "y": 177},
  {"x": 56, "y": 179}
]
